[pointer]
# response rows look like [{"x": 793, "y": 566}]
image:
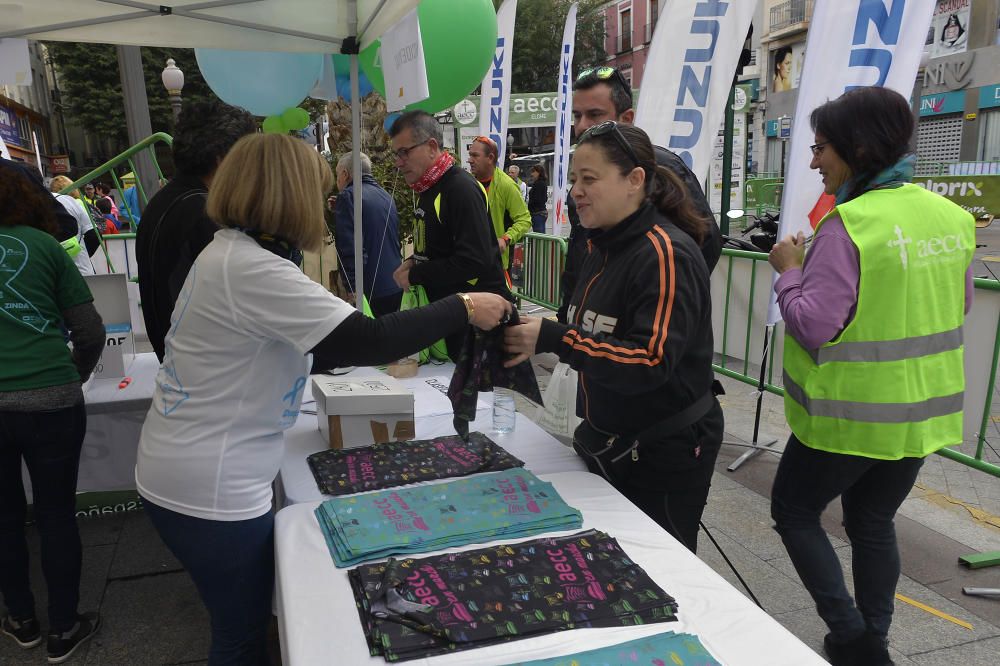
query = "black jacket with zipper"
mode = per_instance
[{"x": 640, "y": 325}]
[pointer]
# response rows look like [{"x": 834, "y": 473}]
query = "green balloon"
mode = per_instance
[
  {"x": 456, "y": 59},
  {"x": 295, "y": 118},
  {"x": 274, "y": 125}
]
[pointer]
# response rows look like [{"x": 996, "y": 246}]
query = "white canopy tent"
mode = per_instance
[{"x": 319, "y": 26}]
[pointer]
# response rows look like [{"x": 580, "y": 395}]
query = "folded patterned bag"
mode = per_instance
[
  {"x": 659, "y": 650},
  {"x": 342, "y": 472},
  {"x": 415, "y": 608},
  {"x": 510, "y": 504}
]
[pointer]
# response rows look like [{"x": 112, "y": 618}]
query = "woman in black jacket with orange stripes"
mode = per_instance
[{"x": 639, "y": 332}]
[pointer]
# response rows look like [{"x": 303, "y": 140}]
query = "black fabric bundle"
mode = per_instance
[
  {"x": 355, "y": 470},
  {"x": 415, "y": 608},
  {"x": 480, "y": 368}
]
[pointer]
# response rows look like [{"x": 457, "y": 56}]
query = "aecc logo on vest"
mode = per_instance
[{"x": 928, "y": 250}]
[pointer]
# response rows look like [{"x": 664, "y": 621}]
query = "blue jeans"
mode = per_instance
[
  {"x": 871, "y": 491},
  {"x": 538, "y": 222},
  {"x": 232, "y": 565},
  {"x": 49, "y": 442}
]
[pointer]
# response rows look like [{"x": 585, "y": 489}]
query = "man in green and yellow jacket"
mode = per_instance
[{"x": 509, "y": 213}]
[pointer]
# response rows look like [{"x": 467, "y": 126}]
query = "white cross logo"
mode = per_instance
[{"x": 901, "y": 242}]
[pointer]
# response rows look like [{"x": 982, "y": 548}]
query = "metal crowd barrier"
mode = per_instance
[
  {"x": 737, "y": 286},
  {"x": 544, "y": 259}
]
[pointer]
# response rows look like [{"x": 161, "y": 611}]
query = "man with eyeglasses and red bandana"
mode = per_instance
[
  {"x": 600, "y": 94},
  {"x": 455, "y": 248}
]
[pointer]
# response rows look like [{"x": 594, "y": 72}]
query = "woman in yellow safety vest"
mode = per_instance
[{"x": 873, "y": 369}]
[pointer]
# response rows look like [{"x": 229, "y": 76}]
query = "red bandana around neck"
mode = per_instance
[{"x": 433, "y": 175}]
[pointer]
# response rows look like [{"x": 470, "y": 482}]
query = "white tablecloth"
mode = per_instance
[
  {"x": 540, "y": 451},
  {"x": 319, "y": 623},
  {"x": 114, "y": 423}
]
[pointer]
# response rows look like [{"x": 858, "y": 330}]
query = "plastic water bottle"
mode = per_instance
[{"x": 503, "y": 410}]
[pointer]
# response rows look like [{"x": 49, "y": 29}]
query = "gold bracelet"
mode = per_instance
[{"x": 470, "y": 308}]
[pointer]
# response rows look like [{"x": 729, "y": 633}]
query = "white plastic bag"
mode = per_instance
[{"x": 558, "y": 416}]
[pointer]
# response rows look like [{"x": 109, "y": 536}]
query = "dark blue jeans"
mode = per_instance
[
  {"x": 49, "y": 442},
  {"x": 538, "y": 222},
  {"x": 232, "y": 565},
  {"x": 870, "y": 492}
]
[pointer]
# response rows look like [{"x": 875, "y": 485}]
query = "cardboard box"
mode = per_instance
[
  {"x": 110, "y": 294},
  {"x": 359, "y": 411}
]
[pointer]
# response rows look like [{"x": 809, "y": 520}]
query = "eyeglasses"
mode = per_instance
[
  {"x": 611, "y": 127},
  {"x": 604, "y": 73},
  {"x": 817, "y": 148},
  {"x": 404, "y": 153}
]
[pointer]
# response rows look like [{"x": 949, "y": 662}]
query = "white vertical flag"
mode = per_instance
[
  {"x": 564, "y": 123},
  {"x": 855, "y": 43},
  {"x": 494, "y": 105},
  {"x": 696, "y": 48},
  {"x": 402, "y": 61}
]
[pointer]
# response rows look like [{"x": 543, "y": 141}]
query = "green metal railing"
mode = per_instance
[
  {"x": 976, "y": 461},
  {"x": 108, "y": 168},
  {"x": 544, "y": 260}
]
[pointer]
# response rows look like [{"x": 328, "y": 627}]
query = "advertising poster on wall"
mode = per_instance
[
  {"x": 950, "y": 27},
  {"x": 738, "y": 162},
  {"x": 786, "y": 66}
]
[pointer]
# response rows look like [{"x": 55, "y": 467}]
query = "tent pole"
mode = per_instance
[{"x": 359, "y": 263}]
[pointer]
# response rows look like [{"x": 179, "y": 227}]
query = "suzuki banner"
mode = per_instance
[
  {"x": 696, "y": 47},
  {"x": 564, "y": 123},
  {"x": 860, "y": 43},
  {"x": 494, "y": 109}
]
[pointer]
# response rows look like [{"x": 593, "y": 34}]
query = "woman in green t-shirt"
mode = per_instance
[{"x": 42, "y": 415}]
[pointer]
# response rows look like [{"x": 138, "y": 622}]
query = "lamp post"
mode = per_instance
[{"x": 173, "y": 81}]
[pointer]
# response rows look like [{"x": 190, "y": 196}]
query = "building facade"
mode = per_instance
[
  {"x": 958, "y": 85},
  {"x": 25, "y": 116},
  {"x": 628, "y": 29}
]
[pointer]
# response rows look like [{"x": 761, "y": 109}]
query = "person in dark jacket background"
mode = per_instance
[
  {"x": 175, "y": 228},
  {"x": 538, "y": 197},
  {"x": 380, "y": 236},
  {"x": 454, "y": 245},
  {"x": 639, "y": 332},
  {"x": 601, "y": 94}
]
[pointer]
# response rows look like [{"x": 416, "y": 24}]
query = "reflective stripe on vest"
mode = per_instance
[
  {"x": 874, "y": 412},
  {"x": 888, "y": 350}
]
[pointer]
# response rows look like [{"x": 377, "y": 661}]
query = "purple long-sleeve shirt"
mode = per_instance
[{"x": 819, "y": 303}]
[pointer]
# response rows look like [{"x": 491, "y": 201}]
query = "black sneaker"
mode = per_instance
[
  {"x": 62, "y": 646},
  {"x": 27, "y": 633}
]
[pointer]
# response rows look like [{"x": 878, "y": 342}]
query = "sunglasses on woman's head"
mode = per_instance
[{"x": 611, "y": 127}]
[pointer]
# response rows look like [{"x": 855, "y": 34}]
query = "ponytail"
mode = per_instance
[{"x": 666, "y": 191}]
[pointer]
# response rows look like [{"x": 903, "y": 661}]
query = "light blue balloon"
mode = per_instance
[
  {"x": 342, "y": 71},
  {"x": 263, "y": 83},
  {"x": 390, "y": 119}
]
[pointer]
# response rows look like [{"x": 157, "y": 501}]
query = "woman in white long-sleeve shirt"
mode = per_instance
[{"x": 235, "y": 369}]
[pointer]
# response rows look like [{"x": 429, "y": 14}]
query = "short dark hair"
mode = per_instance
[
  {"x": 621, "y": 93},
  {"x": 664, "y": 189},
  {"x": 103, "y": 205},
  {"x": 205, "y": 132},
  {"x": 540, "y": 170},
  {"x": 869, "y": 127},
  {"x": 24, "y": 202},
  {"x": 423, "y": 125},
  {"x": 103, "y": 188}
]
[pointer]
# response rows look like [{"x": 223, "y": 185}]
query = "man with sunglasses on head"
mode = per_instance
[
  {"x": 599, "y": 94},
  {"x": 509, "y": 213},
  {"x": 454, "y": 247}
]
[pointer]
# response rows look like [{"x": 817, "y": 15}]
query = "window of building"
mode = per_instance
[
  {"x": 625, "y": 30},
  {"x": 24, "y": 129},
  {"x": 939, "y": 139},
  {"x": 652, "y": 13},
  {"x": 989, "y": 136}
]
